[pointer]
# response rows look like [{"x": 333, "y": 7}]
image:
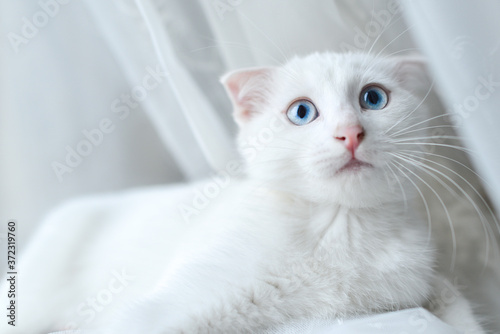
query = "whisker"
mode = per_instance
[
  {"x": 454, "y": 241},
  {"x": 483, "y": 200},
  {"x": 399, "y": 51},
  {"x": 415, "y": 163},
  {"x": 429, "y": 219},
  {"x": 450, "y": 159},
  {"x": 439, "y": 144},
  {"x": 426, "y": 137},
  {"x": 390, "y": 24},
  {"x": 393, "y": 40},
  {"x": 382, "y": 32},
  {"x": 421, "y": 122},
  {"x": 425, "y": 128},
  {"x": 485, "y": 225},
  {"x": 405, "y": 199}
]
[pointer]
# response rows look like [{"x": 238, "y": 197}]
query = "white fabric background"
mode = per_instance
[
  {"x": 65, "y": 78},
  {"x": 462, "y": 41}
]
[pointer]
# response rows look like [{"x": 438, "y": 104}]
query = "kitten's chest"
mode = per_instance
[{"x": 350, "y": 265}]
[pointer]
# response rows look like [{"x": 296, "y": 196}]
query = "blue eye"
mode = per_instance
[
  {"x": 302, "y": 112},
  {"x": 373, "y": 97}
]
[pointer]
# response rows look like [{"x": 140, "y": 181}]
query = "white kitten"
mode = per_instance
[{"x": 317, "y": 228}]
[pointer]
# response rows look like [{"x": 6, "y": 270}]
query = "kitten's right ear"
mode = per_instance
[
  {"x": 411, "y": 71},
  {"x": 248, "y": 90}
]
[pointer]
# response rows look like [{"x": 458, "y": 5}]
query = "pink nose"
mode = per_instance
[{"x": 351, "y": 136}]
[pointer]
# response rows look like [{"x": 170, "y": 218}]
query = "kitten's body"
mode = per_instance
[
  {"x": 247, "y": 269},
  {"x": 306, "y": 234}
]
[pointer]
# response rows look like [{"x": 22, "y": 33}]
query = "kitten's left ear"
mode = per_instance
[
  {"x": 411, "y": 71},
  {"x": 248, "y": 90}
]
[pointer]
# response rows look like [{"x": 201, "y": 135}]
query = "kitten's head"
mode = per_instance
[{"x": 323, "y": 127}]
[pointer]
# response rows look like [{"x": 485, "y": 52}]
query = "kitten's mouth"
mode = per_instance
[{"x": 354, "y": 165}]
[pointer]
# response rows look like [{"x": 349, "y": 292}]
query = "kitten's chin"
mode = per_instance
[{"x": 355, "y": 185}]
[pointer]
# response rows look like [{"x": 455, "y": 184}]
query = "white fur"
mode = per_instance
[
  {"x": 274, "y": 258},
  {"x": 293, "y": 239}
]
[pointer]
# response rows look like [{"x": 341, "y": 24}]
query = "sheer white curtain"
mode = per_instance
[
  {"x": 59, "y": 79},
  {"x": 462, "y": 41}
]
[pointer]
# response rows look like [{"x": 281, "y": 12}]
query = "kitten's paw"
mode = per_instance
[{"x": 450, "y": 305}]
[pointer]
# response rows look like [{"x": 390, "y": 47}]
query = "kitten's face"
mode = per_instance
[{"x": 322, "y": 127}]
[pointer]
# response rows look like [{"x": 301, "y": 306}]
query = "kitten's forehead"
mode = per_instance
[{"x": 336, "y": 69}]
